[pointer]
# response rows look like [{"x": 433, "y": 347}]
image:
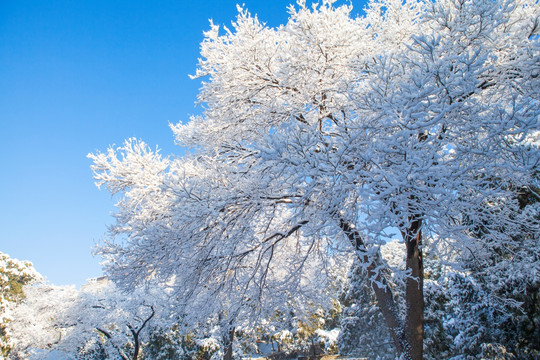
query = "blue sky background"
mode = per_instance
[{"x": 76, "y": 77}]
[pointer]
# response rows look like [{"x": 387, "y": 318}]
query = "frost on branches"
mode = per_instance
[
  {"x": 326, "y": 137},
  {"x": 96, "y": 322},
  {"x": 364, "y": 333},
  {"x": 14, "y": 274},
  {"x": 41, "y": 321}
]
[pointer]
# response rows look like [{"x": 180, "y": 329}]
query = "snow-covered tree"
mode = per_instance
[
  {"x": 363, "y": 330},
  {"x": 96, "y": 322},
  {"x": 489, "y": 308},
  {"x": 286, "y": 334},
  {"x": 326, "y": 137},
  {"x": 114, "y": 323},
  {"x": 40, "y": 321},
  {"x": 14, "y": 274}
]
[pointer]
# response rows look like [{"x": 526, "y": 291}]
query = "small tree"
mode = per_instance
[
  {"x": 96, "y": 322},
  {"x": 115, "y": 323},
  {"x": 14, "y": 274},
  {"x": 39, "y": 321}
]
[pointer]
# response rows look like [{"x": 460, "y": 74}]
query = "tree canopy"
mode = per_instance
[{"x": 324, "y": 138}]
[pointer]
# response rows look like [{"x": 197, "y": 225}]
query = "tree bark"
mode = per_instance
[
  {"x": 414, "y": 293},
  {"x": 383, "y": 293},
  {"x": 229, "y": 344},
  {"x": 136, "y": 345}
]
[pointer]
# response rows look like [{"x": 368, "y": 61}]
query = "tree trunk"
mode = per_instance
[
  {"x": 137, "y": 345},
  {"x": 136, "y": 334},
  {"x": 414, "y": 293},
  {"x": 383, "y": 293},
  {"x": 228, "y": 344}
]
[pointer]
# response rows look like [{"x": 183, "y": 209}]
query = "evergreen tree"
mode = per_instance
[
  {"x": 490, "y": 308},
  {"x": 363, "y": 330}
]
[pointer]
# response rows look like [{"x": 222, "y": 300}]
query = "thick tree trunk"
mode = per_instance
[
  {"x": 383, "y": 293},
  {"x": 414, "y": 293}
]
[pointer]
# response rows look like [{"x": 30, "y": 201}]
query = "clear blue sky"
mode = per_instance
[{"x": 76, "y": 77}]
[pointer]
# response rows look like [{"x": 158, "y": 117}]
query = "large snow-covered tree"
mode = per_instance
[{"x": 326, "y": 137}]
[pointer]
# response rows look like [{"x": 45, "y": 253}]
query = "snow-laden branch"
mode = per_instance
[{"x": 414, "y": 119}]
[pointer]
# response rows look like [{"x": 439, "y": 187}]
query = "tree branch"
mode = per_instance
[
  {"x": 108, "y": 336},
  {"x": 379, "y": 284}
]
